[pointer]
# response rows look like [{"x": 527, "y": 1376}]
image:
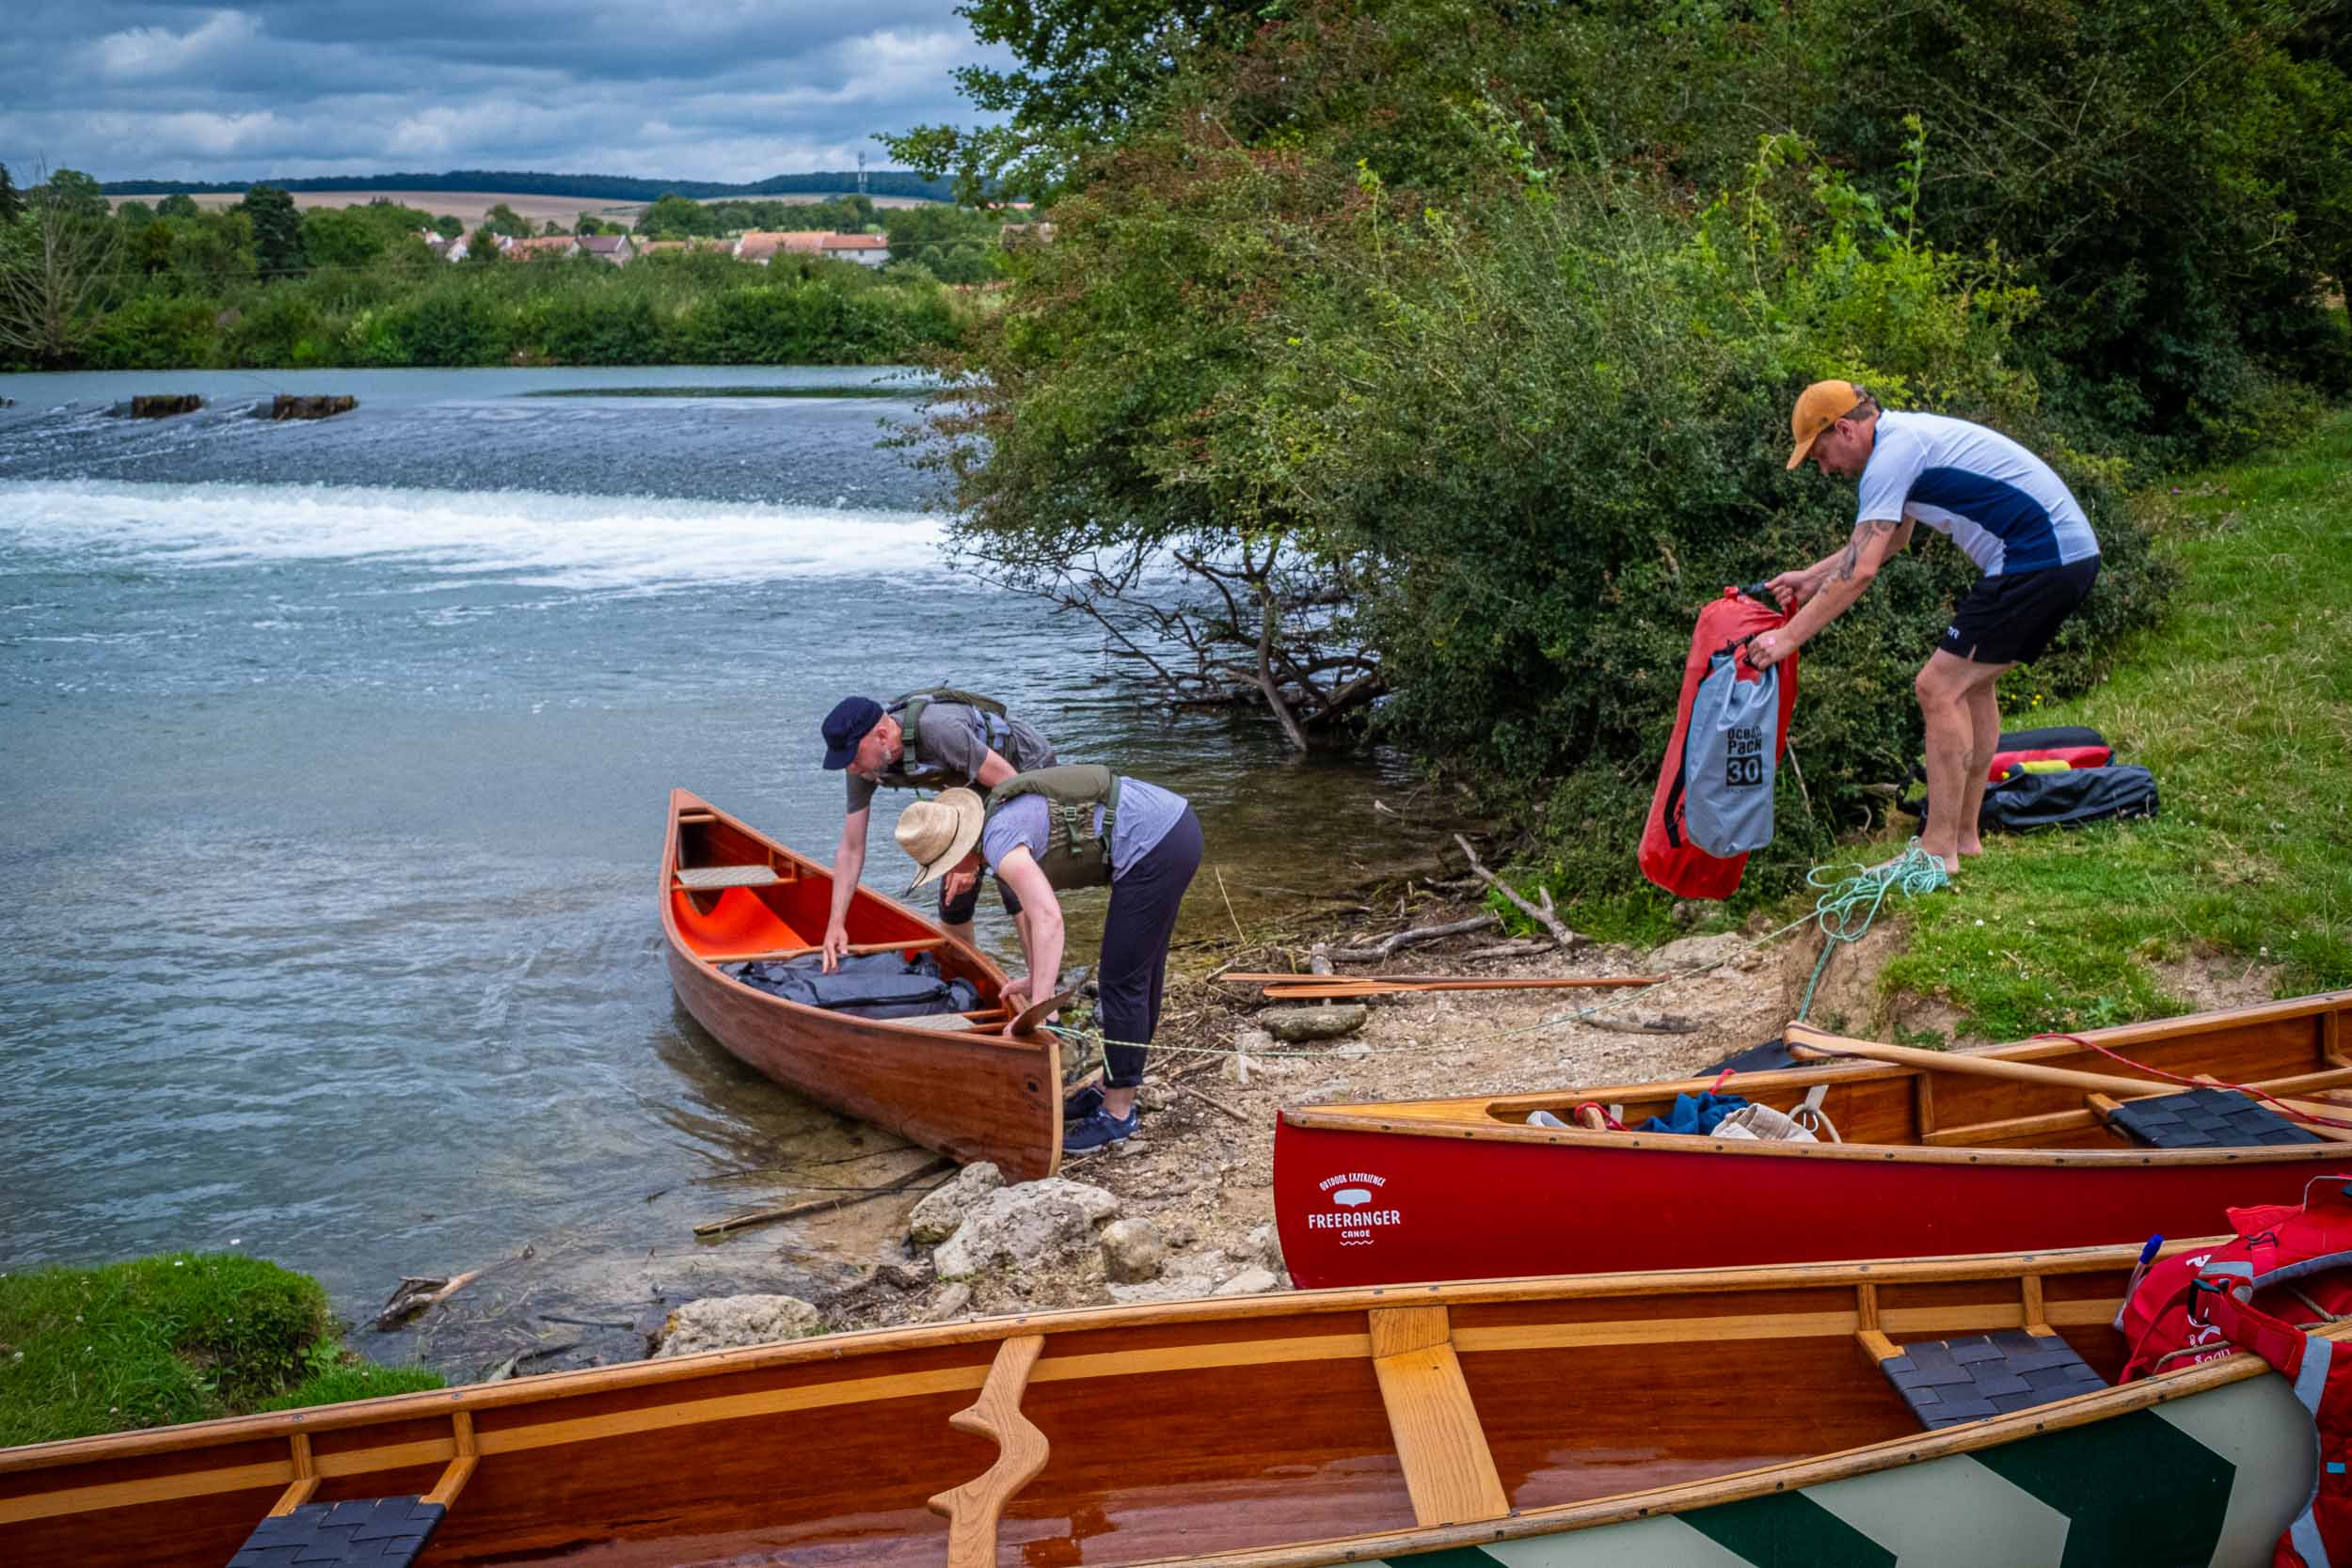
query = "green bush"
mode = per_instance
[
  {"x": 181, "y": 1338},
  {"x": 155, "y": 332}
]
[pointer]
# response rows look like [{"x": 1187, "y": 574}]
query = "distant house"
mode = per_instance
[
  {"x": 762, "y": 246},
  {"x": 869, "y": 250},
  {"x": 542, "y": 248},
  {"x": 614, "y": 248}
]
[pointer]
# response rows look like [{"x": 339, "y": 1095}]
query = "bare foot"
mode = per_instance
[{"x": 1972, "y": 846}]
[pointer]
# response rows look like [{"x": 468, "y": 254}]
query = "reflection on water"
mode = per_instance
[{"x": 338, "y": 755}]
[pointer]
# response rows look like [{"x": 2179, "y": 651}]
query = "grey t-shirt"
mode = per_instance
[
  {"x": 1146, "y": 813},
  {"x": 955, "y": 740}
]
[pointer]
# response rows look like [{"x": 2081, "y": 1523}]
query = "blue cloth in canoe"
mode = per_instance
[
  {"x": 1694, "y": 1113},
  {"x": 867, "y": 985}
]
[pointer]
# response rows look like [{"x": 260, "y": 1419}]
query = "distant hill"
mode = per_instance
[{"x": 602, "y": 187}]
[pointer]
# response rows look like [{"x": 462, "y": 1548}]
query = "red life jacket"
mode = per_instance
[
  {"x": 2288, "y": 1259},
  {"x": 1668, "y": 857}
]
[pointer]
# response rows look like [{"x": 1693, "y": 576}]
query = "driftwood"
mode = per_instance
[
  {"x": 1543, "y": 914},
  {"x": 1209, "y": 1100},
  {"x": 810, "y": 1206},
  {"x": 413, "y": 1295},
  {"x": 1390, "y": 946},
  {"x": 1636, "y": 1026},
  {"x": 1382, "y": 985}
]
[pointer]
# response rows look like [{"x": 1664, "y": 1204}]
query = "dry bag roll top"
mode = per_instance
[{"x": 1672, "y": 854}]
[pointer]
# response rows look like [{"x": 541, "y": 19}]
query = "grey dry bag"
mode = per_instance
[{"x": 1728, "y": 758}]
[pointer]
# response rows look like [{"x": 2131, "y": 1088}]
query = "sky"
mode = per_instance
[{"x": 687, "y": 89}]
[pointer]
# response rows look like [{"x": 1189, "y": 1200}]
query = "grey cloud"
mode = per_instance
[{"x": 695, "y": 89}]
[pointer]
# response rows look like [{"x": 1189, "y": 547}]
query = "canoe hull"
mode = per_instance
[
  {"x": 975, "y": 1095},
  {"x": 1439, "y": 1208}
]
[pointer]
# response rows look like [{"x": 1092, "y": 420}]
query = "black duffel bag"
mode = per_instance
[
  {"x": 868, "y": 985},
  {"x": 2024, "y": 802}
]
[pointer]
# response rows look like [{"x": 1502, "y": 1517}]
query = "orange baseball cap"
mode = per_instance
[{"x": 1820, "y": 407}]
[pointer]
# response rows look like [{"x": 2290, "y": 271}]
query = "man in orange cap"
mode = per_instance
[{"x": 1997, "y": 501}]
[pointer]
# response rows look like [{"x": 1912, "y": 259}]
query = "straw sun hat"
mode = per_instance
[{"x": 939, "y": 833}]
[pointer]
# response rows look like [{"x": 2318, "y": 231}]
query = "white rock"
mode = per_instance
[
  {"x": 1250, "y": 1282},
  {"x": 1300, "y": 1024},
  {"x": 1025, "y": 1224},
  {"x": 954, "y": 1302},
  {"x": 1700, "y": 952},
  {"x": 943, "y": 1208},
  {"x": 1264, "y": 1242},
  {"x": 723, "y": 1323},
  {"x": 1132, "y": 1251}
]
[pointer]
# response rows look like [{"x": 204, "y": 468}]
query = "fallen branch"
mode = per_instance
[
  {"x": 413, "y": 1295},
  {"x": 1632, "y": 1026},
  {"x": 810, "y": 1206},
  {"x": 1209, "y": 1100},
  {"x": 1388, "y": 946},
  {"x": 1517, "y": 947},
  {"x": 1545, "y": 915},
  {"x": 1323, "y": 990}
]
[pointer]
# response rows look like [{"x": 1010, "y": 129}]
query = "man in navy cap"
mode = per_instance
[{"x": 936, "y": 740}]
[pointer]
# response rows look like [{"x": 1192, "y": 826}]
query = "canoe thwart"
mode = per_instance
[
  {"x": 973, "y": 1509},
  {"x": 711, "y": 878},
  {"x": 1449, "y": 1471},
  {"x": 379, "y": 1532},
  {"x": 1946, "y": 1382},
  {"x": 855, "y": 949}
]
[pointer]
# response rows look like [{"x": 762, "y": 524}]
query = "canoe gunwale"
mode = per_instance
[{"x": 1323, "y": 1304}]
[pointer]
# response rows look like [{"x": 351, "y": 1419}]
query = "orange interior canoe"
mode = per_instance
[{"x": 961, "y": 1085}]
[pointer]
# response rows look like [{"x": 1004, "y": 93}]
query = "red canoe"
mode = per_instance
[
  {"x": 959, "y": 1084},
  {"x": 1932, "y": 1160}
]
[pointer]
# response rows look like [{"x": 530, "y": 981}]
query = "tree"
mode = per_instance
[
  {"x": 341, "y": 238},
  {"x": 448, "y": 227},
  {"x": 51, "y": 268},
  {"x": 502, "y": 219},
  {"x": 482, "y": 248},
  {"x": 677, "y": 217},
  {"x": 1084, "y": 69},
  {"x": 276, "y": 230},
  {"x": 11, "y": 200},
  {"x": 179, "y": 204},
  {"x": 134, "y": 216}
]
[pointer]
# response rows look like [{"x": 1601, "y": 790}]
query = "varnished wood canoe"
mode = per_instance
[
  {"x": 1636, "y": 1420},
  {"x": 1932, "y": 1162},
  {"x": 974, "y": 1093}
]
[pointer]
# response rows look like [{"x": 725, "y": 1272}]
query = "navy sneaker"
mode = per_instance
[
  {"x": 1099, "y": 1129},
  {"x": 1083, "y": 1103}
]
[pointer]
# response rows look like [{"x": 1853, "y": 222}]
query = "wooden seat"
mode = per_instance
[
  {"x": 1946, "y": 1382},
  {"x": 710, "y": 879},
  {"x": 377, "y": 1532}
]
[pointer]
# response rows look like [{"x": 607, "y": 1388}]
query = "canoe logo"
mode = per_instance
[{"x": 1353, "y": 1194}]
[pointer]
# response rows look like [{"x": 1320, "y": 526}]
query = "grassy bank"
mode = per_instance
[
  {"x": 179, "y": 1338},
  {"x": 2240, "y": 701}
]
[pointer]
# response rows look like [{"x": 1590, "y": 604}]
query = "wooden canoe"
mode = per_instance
[
  {"x": 1932, "y": 1162},
  {"x": 1638, "y": 1421},
  {"x": 974, "y": 1094}
]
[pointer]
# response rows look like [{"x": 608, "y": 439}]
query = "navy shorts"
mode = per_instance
[{"x": 2010, "y": 619}]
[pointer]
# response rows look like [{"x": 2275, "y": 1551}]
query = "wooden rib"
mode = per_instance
[
  {"x": 1923, "y": 1105},
  {"x": 461, "y": 1464},
  {"x": 2037, "y": 1320},
  {"x": 306, "y": 1478},
  {"x": 912, "y": 945},
  {"x": 1866, "y": 1298},
  {"x": 1978, "y": 1134},
  {"x": 1876, "y": 1347},
  {"x": 1449, "y": 1471},
  {"x": 973, "y": 1509}
]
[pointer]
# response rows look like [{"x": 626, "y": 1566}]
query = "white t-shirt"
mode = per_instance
[{"x": 1995, "y": 499}]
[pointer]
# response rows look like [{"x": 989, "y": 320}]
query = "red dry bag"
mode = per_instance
[{"x": 1668, "y": 856}]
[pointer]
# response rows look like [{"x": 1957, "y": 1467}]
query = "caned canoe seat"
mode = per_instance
[
  {"x": 2205, "y": 1118},
  {"x": 710, "y": 879},
  {"x": 1946, "y": 1382},
  {"x": 379, "y": 1532}
]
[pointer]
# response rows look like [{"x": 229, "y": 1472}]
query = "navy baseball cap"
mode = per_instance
[{"x": 844, "y": 726}]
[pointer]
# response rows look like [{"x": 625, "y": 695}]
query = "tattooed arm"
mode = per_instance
[{"x": 1841, "y": 581}]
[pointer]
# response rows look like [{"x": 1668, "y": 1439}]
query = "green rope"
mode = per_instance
[{"x": 1849, "y": 905}]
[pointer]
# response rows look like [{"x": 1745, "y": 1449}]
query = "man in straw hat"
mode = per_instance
[
  {"x": 1997, "y": 501},
  {"x": 923, "y": 740},
  {"x": 1060, "y": 828}
]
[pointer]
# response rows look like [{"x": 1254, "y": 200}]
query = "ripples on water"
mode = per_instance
[{"x": 335, "y": 761}]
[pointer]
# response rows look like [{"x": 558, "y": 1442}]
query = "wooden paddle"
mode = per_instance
[
  {"x": 1809, "y": 1044},
  {"x": 1037, "y": 1013}
]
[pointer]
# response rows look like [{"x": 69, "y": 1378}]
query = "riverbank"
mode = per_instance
[{"x": 181, "y": 1338}]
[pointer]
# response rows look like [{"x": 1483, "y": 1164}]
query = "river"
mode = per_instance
[{"x": 335, "y": 762}]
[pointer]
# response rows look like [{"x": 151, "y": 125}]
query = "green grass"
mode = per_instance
[
  {"x": 2241, "y": 705},
  {"x": 179, "y": 1338}
]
